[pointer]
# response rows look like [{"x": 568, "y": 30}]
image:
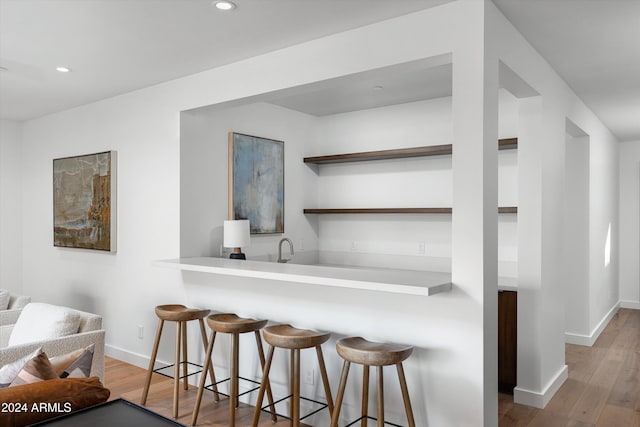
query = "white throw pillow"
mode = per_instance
[
  {"x": 39, "y": 321},
  {"x": 4, "y": 299},
  {"x": 10, "y": 371}
]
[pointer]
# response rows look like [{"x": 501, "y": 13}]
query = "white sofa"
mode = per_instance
[
  {"x": 89, "y": 332},
  {"x": 16, "y": 304}
]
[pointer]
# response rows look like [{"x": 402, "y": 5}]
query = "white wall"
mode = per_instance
[
  {"x": 394, "y": 240},
  {"x": 10, "y": 204},
  {"x": 204, "y": 167},
  {"x": 603, "y": 224},
  {"x": 576, "y": 231},
  {"x": 630, "y": 224},
  {"x": 365, "y": 240},
  {"x": 541, "y": 165}
]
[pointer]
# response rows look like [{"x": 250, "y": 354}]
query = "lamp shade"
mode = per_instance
[{"x": 236, "y": 233}]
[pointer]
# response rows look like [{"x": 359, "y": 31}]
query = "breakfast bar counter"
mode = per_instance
[{"x": 410, "y": 282}]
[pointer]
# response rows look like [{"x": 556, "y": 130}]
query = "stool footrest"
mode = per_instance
[
  {"x": 157, "y": 370},
  {"x": 286, "y": 417},
  {"x": 371, "y": 418},
  {"x": 210, "y": 386}
]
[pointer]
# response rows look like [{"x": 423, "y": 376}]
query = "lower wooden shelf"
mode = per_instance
[{"x": 507, "y": 341}]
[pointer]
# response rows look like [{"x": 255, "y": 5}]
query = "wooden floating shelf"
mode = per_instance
[
  {"x": 401, "y": 153},
  {"x": 502, "y": 210},
  {"x": 508, "y": 144},
  {"x": 508, "y": 210}
]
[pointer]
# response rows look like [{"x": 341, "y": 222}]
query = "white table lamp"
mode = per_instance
[{"x": 236, "y": 236}]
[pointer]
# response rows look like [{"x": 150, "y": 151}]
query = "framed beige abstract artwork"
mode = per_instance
[{"x": 84, "y": 201}]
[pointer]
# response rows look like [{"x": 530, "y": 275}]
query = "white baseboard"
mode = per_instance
[
  {"x": 635, "y": 305},
  {"x": 142, "y": 361},
  {"x": 135, "y": 359},
  {"x": 589, "y": 340},
  {"x": 540, "y": 399}
]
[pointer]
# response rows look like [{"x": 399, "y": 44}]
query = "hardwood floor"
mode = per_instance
[
  {"x": 603, "y": 388},
  {"x": 127, "y": 381}
]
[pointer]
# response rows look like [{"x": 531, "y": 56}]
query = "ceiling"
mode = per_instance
[
  {"x": 594, "y": 45},
  {"x": 117, "y": 46}
]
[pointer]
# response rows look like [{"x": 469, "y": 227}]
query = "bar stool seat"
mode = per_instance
[
  {"x": 363, "y": 352},
  {"x": 286, "y": 336},
  {"x": 294, "y": 339},
  {"x": 230, "y": 323},
  {"x": 360, "y": 351},
  {"x": 181, "y": 315}
]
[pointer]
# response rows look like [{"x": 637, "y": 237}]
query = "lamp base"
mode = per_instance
[{"x": 236, "y": 255}]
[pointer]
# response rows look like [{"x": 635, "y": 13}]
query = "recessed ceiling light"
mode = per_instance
[
  {"x": 225, "y": 5},
  {"x": 376, "y": 88},
  {"x": 63, "y": 69}
]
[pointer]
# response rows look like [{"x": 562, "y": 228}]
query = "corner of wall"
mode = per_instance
[
  {"x": 540, "y": 399},
  {"x": 589, "y": 340}
]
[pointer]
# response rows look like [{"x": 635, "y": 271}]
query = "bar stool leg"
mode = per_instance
[
  {"x": 176, "y": 370},
  {"x": 272, "y": 408},
  {"x": 265, "y": 378},
  {"x": 325, "y": 378},
  {"x": 335, "y": 414},
  {"x": 152, "y": 362},
  {"x": 291, "y": 383},
  {"x": 185, "y": 367},
  {"x": 233, "y": 381},
  {"x": 203, "y": 379},
  {"x": 365, "y": 395},
  {"x": 405, "y": 395},
  {"x": 204, "y": 369},
  {"x": 296, "y": 388},
  {"x": 380, "y": 381},
  {"x": 236, "y": 360}
]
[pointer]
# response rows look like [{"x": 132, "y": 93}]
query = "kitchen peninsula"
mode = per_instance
[{"x": 411, "y": 282}]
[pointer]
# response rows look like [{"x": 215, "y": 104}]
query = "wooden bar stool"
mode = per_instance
[
  {"x": 288, "y": 337},
  {"x": 366, "y": 353},
  {"x": 181, "y": 315},
  {"x": 228, "y": 323}
]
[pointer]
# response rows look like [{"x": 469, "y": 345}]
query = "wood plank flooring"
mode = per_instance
[
  {"x": 603, "y": 388},
  {"x": 127, "y": 381}
]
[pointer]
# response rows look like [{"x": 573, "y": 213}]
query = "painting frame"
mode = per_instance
[
  {"x": 85, "y": 201},
  {"x": 256, "y": 182}
]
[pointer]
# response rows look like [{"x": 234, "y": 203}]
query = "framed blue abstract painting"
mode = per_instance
[{"x": 256, "y": 182}]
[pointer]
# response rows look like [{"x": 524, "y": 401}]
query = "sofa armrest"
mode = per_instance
[
  {"x": 18, "y": 301},
  {"x": 9, "y": 317},
  {"x": 5, "y": 333},
  {"x": 60, "y": 346}
]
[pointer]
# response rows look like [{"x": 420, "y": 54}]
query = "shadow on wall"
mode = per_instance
[{"x": 80, "y": 300}]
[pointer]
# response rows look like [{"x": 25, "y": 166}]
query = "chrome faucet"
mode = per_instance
[{"x": 280, "y": 249}]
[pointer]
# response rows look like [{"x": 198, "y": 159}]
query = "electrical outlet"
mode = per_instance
[
  {"x": 352, "y": 245},
  {"x": 421, "y": 248},
  {"x": 140, "y": 332},
  {"x": 309, "y": 376}
]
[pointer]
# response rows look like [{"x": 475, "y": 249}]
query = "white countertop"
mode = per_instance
[
  {"x": 507, "y": 284},
  {"x": 411, "y": 282}
]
